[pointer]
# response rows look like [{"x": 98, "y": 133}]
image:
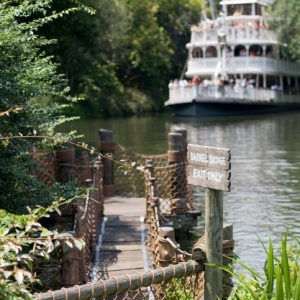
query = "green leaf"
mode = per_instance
[
  {"x": 279, "y": 287},
  {"x": 285, "y": 267},
  {"x": 296, "y": 294},
  {"x": 270, "y": 268}
]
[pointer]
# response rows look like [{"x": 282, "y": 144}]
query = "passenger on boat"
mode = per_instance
[
  {"x": 221, "y": 87},
  {"x": 196, "y": 81},
  {"x": 276, "y": 87},
  {"x": 231, "y": 85},
  {"x": 207, "y": 84},
  {"x": 244, "y": 85}
]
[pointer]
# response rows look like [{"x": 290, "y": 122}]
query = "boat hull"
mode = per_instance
[{"x": 225, "y": 107}]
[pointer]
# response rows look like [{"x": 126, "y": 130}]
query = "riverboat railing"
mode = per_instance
[
  {"x": 238, "y": 65},
  {"x": 249, "y": 34},
  {"x": 188, "y": 93}
]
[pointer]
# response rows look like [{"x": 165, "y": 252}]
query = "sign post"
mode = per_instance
[{"x": 209, "y": 167}]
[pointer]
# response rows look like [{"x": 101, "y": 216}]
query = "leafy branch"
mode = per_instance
[{"x": 61, "y": 140}]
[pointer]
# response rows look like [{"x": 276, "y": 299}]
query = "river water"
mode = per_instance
[{"x": 264, "y": 200}]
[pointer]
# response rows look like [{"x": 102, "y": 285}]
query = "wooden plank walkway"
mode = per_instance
[{"x": 122, "y": 248}]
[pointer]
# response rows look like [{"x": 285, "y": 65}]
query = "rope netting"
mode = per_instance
[
  {"x": 182, "y": 281},
  {"x": 131, "y": 183},
  {"x": 164, "y": 251},
  {"x": 83, "y": 215},
  {"x": 171, "y": 179},
  {"x": 46, "y": 167},
  {"x": 168, "y": 194}
]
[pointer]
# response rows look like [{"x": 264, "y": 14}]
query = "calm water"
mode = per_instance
[{"x": 265, "y": 195}]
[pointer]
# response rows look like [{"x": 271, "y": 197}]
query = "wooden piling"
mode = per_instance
[
  {"x": 183, "y": 132},
  {"x": 214, "y": 243},
  {"x": 70, "y": 266},
  {"x": 64, "y": 159},
  {"x": 228, "y": 246},
  {"x": 176, "y": 155},
  {"x": 175, "y": 147},
  {"x": 85, "y": 168},
  {"x": 166, "y": 250},
  {"x": 107, "y": 147}
]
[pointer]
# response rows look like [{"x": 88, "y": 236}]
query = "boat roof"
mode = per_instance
[{"x": 229, "y": 2}]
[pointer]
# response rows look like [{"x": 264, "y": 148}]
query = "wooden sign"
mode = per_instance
[{"x": 209, "y": 167}]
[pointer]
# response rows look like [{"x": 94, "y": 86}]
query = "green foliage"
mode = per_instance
[
  {"x": 281, "y": 279},
  {"x": 24, "y": 242},
  {"x": 121, "y": 59},
  {"x": 286, "y": 23},
  {"x": 177, "y": 289},
  {"x": 176, "y": 17},
  {"x": 27, "y": 73}
]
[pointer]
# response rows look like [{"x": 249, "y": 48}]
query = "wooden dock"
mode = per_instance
[{"x": 121, "y": 247}]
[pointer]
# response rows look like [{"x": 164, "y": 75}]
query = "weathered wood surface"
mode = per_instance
[
  {"x": 207, "y": 177},
  {"x": 209, "y": 167},
  {"x": 122, "y": 251},
  {"x": 213, "y": 243},
  {"x": 211, "y": 157}
]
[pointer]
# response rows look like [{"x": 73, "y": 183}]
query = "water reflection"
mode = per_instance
[{"x": 264, "y": 200}]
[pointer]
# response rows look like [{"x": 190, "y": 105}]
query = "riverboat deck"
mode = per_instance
[{"x": 122, "y": 248}]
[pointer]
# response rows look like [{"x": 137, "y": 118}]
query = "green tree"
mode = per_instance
[
  {"x": 176, "y": 17},
  {"x": 286, "y": 23},
  {"x": 146, "y": 63},
  {"x": 121, "y": 58},
  {"x": 27, "y": 73},
  {"x": 88, "y": 51}
]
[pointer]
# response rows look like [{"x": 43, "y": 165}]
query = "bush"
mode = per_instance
[
  {"x": 281, "y": 279},
  {"x": 26, "y": 73},
  {"x": 23, "y": 243}
]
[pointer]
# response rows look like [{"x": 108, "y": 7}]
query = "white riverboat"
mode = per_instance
[{"x": 235, "y": 66}]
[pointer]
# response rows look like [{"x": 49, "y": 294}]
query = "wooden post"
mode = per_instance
[
  {"x": 214, "y": 243},
  {"x": 175, "y": 145},
  {"x": 176, "y": 154},
  {"x": 193, "y": 213},
  {"x": 98, "y": 177},
  {"x": 199, "y": 254},
  {"x": 70, "y": 267},
  {"x": 78, "y": 207},
  {"x": 166, "y": 250},
  {"x": 183, "y": 132},
  {"x": 65, "y": 158},
  {"x": 85, "y": 167},
  {"x": 228, "y": 246},
  {"x": 107, "y": 147},
  {"x": 149, "y": 185},
  {"x": 210, "y": 167}
]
